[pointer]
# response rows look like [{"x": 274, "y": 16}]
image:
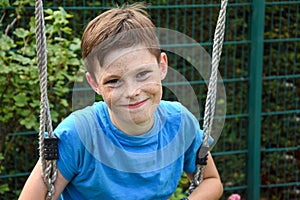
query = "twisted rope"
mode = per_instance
[
  {"x": 49, "y": 167},
  {"x": 211, "y": 95}
]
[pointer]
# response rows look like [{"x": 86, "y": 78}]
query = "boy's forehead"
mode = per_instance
[
  {"x": 121, "y": 53},
  {"x": 124, "y": 60},
  {"x": 125, "y": 55}
]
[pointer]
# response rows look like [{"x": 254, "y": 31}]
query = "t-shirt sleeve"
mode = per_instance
[
  {"x": 69, "y": 148},
  {"x": 191, "y": 153}
]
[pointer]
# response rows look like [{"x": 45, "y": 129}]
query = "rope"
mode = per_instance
[
  {"x": 48, "y": 166},
  {"x": 211, "y": 96}
]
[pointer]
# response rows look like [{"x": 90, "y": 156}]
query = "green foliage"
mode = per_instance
[
  {"x": 3, "y": 187},
  {"x": 19, "y": 89},
  {"x": 181, "y": 190},
  {"x": 19, "y": 74},
  {"x": 4, "y": 3},
  {"x": 58, "y": 20}
]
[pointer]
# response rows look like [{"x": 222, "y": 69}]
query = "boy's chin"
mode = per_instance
[{"x": 140, "y": 120}]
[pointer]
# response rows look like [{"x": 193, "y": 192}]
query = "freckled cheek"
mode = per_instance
[
  {"x": 111, "y": 96},
  {"x": 154, "y": 89}
]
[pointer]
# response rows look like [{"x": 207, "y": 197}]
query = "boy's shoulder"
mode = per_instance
[
  {"x": 170, "y": 106},
  {"x": 77, "y": 120},
  {"x": 174, "y": 108},
  {"x": 175, "y": 112}
]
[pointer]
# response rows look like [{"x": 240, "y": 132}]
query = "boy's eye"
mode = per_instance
[
  {"x": 112, "y": 82},
  {"x": 143, "y": 74}
]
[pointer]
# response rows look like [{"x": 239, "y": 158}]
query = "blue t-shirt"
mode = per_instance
[{"x": 102, "y": 162}]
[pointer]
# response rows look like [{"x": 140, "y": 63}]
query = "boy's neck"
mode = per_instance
[{"x": 132, "y": 129}]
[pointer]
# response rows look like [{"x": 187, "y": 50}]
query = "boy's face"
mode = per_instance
[{"x": 130, "y": 84}]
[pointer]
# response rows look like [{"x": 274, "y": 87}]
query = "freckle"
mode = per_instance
[{"x": 121, "y": 68}]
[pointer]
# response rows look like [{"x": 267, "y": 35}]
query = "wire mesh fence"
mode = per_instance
[{"x": 261, "y": 49}]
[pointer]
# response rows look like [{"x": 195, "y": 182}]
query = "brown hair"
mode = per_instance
[{"x": 117, "y": 28}]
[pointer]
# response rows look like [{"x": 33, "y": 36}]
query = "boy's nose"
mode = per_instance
[{"x": 132, "y": 90}]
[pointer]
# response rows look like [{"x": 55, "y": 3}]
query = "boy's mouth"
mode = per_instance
[{"x": 137, "y": 104}]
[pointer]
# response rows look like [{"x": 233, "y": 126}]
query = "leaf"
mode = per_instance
[
  {"x": 67, "y": 30},
  {"x": 4, "y": 188},
  {"x": 48, "y": 18},
  {"x": 62, "y": 10},
  {"x": 23, "y": 3},
  {"x": 20, "y": 100},
  {"x": 7, "y": 117},
  {"x": 5, "y": 69},
  {"x": 23, "y": 60},
  {"x": 25, "y": 113},
  {"x": 48, "y": 12},
  {"x": 21, "y": 33},
  {"x": 64, "y": 102},
  {"x": 73, "y": 61},
  {"x": 29, "y": 122},
  {"x": 54, "y": 115},
  {"x": 35, "y": 104},
  {"x": 4, "y": 4},
  {"x": 75, "y": 45},
  {"x": 6, "y": 43},
  {"x": 28, "y": 50}
]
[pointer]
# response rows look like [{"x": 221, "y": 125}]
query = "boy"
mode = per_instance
[{"x": 133, "y": 145}]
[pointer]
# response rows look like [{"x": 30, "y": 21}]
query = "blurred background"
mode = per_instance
[{"x": 257, "y": 154}]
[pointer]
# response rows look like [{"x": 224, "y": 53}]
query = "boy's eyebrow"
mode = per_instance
[
  {"x": 113, "y": 76},
  {"x": 110, "y": 76},
  {"x": 144, "y": 67}
]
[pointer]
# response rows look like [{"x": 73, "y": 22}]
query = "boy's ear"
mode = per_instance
[
  {"x": 163, "y": 65},
  {"x": 92, "y": 83}
]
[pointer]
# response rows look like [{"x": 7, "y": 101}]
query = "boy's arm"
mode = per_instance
[
  {"x": 35, "y": 188},
  {"x": 211, "y": 187}
]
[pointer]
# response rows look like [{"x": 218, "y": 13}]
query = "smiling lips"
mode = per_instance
[{"x": 137, "y": 105}]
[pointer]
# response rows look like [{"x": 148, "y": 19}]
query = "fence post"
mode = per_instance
[{"x": 255, "y": 99}]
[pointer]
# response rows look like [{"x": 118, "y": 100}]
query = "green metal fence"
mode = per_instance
[{"x": 258, "y": 152}]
